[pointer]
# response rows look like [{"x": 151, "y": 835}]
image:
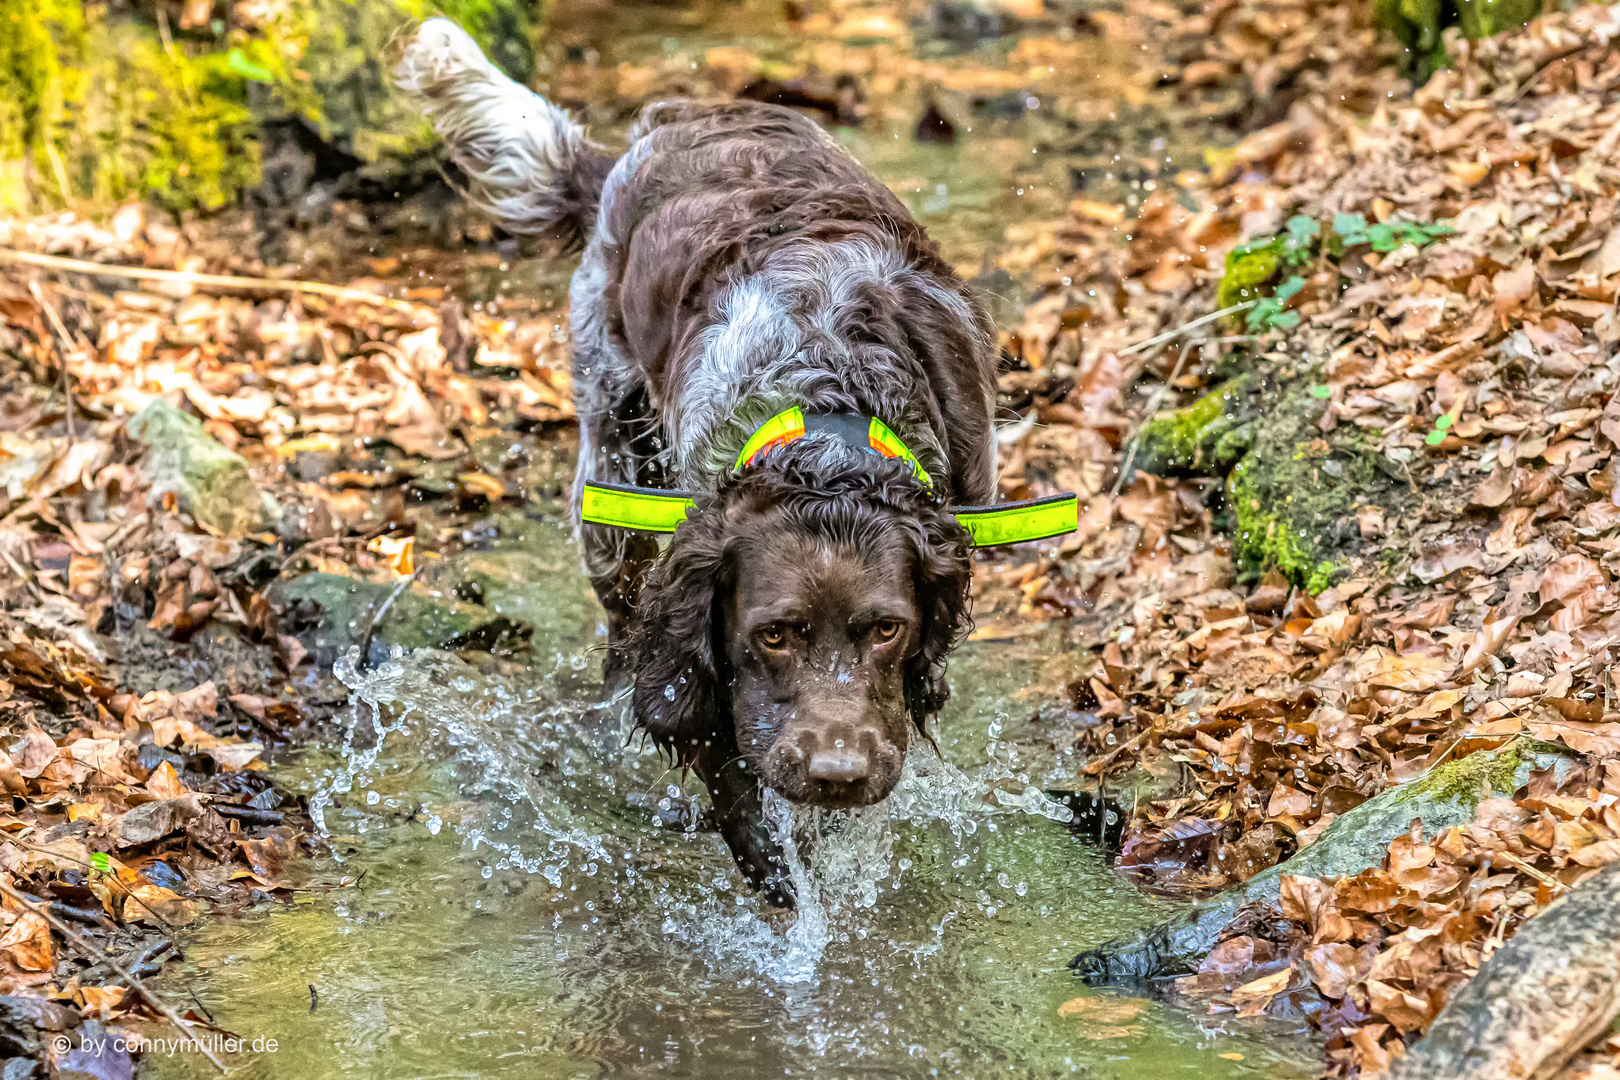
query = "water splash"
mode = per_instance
[
  {"x": 501, "y": 741},
  {"x": 416, "y": 686}
]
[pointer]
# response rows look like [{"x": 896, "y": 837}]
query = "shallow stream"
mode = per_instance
[{"x": 536, "y": 897}]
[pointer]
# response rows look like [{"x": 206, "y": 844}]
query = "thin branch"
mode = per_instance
[
  {"x": 377, "y": 618},
  {"x": 94, "y": 952},
  {"x": 215, "y": 281},
  {"x": 1171, "y": 335},
  {"x": 129, "y": 894},
  {"x": 1152, "y": 410}
]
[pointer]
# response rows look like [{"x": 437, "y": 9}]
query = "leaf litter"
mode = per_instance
[{"x": 1439, "y": 271}]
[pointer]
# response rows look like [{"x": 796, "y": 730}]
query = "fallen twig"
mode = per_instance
[
  {"x": 1171, "y": 335},
  {"x": 1152, "y": 410},
  {"x": 67, "y": 345},
  {"x": 377, "y": 618},
  {"x": 129, "y": 894},
  {"x": 216, "y": 281},
  {"x": 90, "y": 949}
]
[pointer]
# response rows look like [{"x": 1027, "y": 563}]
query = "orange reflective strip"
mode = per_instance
[
  {"x": 882, "y": 439},
  {"x": 782, "y": 428}
]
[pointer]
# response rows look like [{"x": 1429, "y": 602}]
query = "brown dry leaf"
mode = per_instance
[
  {"x": 233, "y": 755},
  {"x": 1600, "y": 740},
  {"x": 1412, "y": 672},
  {"x": 165, "y": 783},
  {"x": 33, "y": 753},
  {"x": 1252, "y": 997},
  {"x": 1104, "y": 1009},
  {"x": 1332, "y": 966},
  {"x": 155, "y": 820},
  {"x": 100, "y": 1002},
  {"x": 1313, "y": 904},
  {"x": 1287, "y": 800},
  {"x": 1513, "y": 287},
  {"x": 1403, "y": 1010},
  {"x": 270, "y": 856},
  {"x": 27, "y": 943},
  {"x": 154, "y": 903},
  {"x": 1490, "y": 638},
  {"x": 1371, "y": 892}
]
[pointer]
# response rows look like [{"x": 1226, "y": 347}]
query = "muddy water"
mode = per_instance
[{"x": 536, "y": 898}]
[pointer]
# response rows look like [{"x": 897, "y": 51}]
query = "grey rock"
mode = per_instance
[
  {"x": 1446, "y": 796},
  {"x": 212, "y": 484},
  {"x": 329, "y": 614},
  {"x": 1553, "y": 988}
]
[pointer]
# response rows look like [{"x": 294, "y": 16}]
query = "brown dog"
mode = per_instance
[{"x": 758, "y": 320}]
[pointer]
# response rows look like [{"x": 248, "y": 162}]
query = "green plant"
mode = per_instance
[
  {"x": 1352, "y": 229},
  {"x": 1253, "y": 265}
]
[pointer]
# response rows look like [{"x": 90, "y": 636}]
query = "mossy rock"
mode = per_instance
[
  {"x": 101, "y": 104},
  {"x": 1358, "y": 839},
  {"x": 350, "y": 99},
  {"x": 212, "y": 483},
  {"x": 96, "y": 107},
  {"x": 1292, "y": 498},
  {"x": 1418, "y": 24},
  {"x": 330, "y": 614},
  {"x": 1204, "y": 439}
]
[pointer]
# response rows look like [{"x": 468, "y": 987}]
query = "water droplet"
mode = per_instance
[
  {"x": 372, "y": 798},
  {"x": 487, "y": 872}
]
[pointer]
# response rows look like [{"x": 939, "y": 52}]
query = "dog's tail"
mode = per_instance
[{"x": 527, "y": 162}]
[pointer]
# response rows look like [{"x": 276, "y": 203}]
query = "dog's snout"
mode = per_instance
[{"x": 843, "y": 765}]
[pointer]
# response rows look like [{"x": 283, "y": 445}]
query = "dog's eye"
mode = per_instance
[
  {"x": 886, "y": 631},
  {"x": 773, "y": 636}
]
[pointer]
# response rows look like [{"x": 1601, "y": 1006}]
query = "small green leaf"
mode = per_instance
[
  {"x": 1435, "y": 438},
  {"x": 1443, "y": 422},
  {"x": 1290, "y": 287},
  {"x": 1321, "y": 391},
  {"x": 238, "y": 61},
  {"x": 1352, "y": 228},
  {"x": 1302, "y": 233},
  {"x": 99, "y": 861},
  {"x": 1383, "y": 238}
]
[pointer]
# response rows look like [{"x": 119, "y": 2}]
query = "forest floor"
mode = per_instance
[{"x": 1364, "y": 524}]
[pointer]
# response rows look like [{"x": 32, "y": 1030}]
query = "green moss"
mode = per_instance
[
  {"x": 1205, "y": 438},
  {"x": 1467, "y": 779},
  {"x": 1292, "y": 498},
  {"x": 1267, "y": 540},
  {"x": 1248, "y": 267},
  {"x": 341, "y": 85},
  {"x": 1418, "y": 24},
  {"x": 98, "y": 109}
]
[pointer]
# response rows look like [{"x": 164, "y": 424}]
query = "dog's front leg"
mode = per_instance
[{"x": 738, "y": 811}]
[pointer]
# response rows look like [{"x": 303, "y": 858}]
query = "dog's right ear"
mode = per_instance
[{"x": 677, "y": 698}]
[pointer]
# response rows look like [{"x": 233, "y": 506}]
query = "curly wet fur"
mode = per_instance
[
  {"x": 820, "y": 489},
  {"x": 527, "y": 162}
]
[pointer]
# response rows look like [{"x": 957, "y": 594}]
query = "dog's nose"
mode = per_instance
[{"x": 840, "y": 766}]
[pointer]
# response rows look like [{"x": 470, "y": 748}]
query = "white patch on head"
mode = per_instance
[
  {"x": 513, "y": 144},
  {"x": 781, "y": 332},
  {"x": 755, "y": 327}
]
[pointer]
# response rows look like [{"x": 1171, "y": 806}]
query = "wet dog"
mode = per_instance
[{"x": 758, "y": 320}]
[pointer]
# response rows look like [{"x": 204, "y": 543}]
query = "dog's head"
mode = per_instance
[{"x": 809, "y": 607}]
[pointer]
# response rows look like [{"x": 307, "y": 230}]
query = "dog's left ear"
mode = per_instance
[
  {"x": 676, "y": 698},
  {"x": 944, "y": 578}
]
